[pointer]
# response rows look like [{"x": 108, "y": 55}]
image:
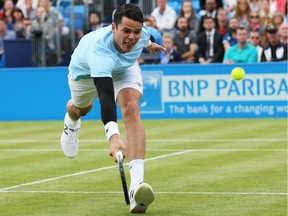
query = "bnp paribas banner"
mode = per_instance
[
  {"x": 170, "y": 91},
  {"x": 209, "y": 91}
]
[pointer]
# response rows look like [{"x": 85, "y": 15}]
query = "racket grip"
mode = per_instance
[{"x": 119, "y": 156}]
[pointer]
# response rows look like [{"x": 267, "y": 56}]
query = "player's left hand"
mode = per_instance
[{"x": 154, "y": 48}]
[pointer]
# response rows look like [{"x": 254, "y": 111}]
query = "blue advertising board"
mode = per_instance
[
  {"x": 170, "y": 91},
  {"x": 209, "y": 91}
]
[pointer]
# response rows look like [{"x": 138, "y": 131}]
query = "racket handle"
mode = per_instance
[{"x": 119, "y": 156}]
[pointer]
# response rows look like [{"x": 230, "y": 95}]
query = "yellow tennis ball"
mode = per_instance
[{"x": 238, "y": 73}]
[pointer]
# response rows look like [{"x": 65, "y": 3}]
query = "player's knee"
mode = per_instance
[
  {"x": 77, "y": 112},
  {"x": 85, "y": 111},
  {"x": 131, "y": 110},
  {"x": 69, "y": 105}
]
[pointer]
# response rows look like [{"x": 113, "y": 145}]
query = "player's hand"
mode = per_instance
[
  {"x": 116, "y": 144},
  {"x": 154, "y": 48}
]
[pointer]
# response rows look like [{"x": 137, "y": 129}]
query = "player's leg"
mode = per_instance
[
  {"x": 135, "y": 139},
  {"x": 83, "y": 93},
  {"x": 128, "y": 90}
]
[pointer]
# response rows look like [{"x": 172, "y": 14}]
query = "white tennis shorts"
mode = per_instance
[{"x": 83, "y": 92}]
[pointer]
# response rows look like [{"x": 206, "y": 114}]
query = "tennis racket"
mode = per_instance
[{"x": 122, "y": 175}]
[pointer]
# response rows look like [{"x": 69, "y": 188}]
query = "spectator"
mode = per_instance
[
  {"x": 165, "y": 17},
  {"x": 94, "y": 24},
  {"x": 230, "y": 6},
  {"x": 27, "y": 25},
  {"x": 265, "y": 13},
  {"x": 277, "y": 18},
  {"x": 242, "y": 12},
  {"x": 202, "y": 3},
  {"x": 275, "y": 51},
  {"x": 222, "y": 21},
  {"x": 22, "y": 4},
  {"x": 5, "y": 34},
  {"x": 9, "y": 6},
  {"x": 170, "y": 55},
  {"x": 277, "y": 5},
  {"x": 49, "y": 11},
  {"x": 18, "y": 23},
  {"x": 156, "y": 37},
  {"x": 28, "y": 10},
  {"x": 255, "y": 5},
  {"x": 42, "y": 31},
  {"x": 229, "y": 38},
  {"x": 283, "y": 33},
  {"x": 254, "y": 23},
  {"x": 153, "y": 22},
  {"x": 42, "y": 26},
  {"x": 155, "y": 33},
  {"x": 188, "y": 11},
  {"x": 254, "y": 39},
  {"x": 185, "y": 41},
  {"x": 55, "y": 16},
  {"x": 242, "y": 51},
  {"x": 210, "y": 11},
  {"x": 210, "y": 47}
]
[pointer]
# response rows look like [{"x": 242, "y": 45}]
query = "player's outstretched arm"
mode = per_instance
[{"x": 105, "y": 89}]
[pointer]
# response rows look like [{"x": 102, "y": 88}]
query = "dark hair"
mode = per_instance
[
  {"x": 130, "y": 11},
  {"x": 94, "y": 12},
  {"x": 241, "y": 28},
  {"x": 207, "y": 17},
  {"x": 181, "y": 13}
]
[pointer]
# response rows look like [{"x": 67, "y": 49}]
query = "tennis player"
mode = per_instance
[{"x": 104, "y": 65}]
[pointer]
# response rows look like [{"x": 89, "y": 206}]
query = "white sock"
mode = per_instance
[
  {"x": 136, "y": 173},
  {"x": 71, "y": 123}
]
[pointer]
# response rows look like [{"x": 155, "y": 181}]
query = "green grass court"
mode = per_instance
[{"x": 196, "y": 167}]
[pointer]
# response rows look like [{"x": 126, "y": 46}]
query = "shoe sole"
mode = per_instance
[{"x": 144, "y": 196}]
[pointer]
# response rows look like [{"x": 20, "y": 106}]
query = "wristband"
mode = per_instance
[
  {"x": 111, "y": 128},
  {"x": 148, "y": 44}
]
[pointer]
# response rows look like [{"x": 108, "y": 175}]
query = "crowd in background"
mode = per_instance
[
  {"x": 219, "y": 31},
  {"x": 29, "y": 19},
  {"x": 222, "y": 31}
]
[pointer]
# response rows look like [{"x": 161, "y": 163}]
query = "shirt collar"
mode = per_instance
[{"x": 211, "y": 32}]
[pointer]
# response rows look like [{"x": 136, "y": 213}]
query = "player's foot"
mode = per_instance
[
  {"x": 70, "y": 136},
  {"x": 141, "y": 198}
]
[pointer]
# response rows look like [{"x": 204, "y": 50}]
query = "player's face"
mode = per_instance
[{"x": 126, "y": 34}]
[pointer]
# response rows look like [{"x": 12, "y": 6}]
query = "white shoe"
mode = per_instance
[
  {"x": 70, "y": 137},
  {"x": 141, "y": 198}
]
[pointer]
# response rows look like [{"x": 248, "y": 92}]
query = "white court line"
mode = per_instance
[
  {"x": 88, "y": 171},
  {"x": 153, "y": 140},
  {"x": 162, "y": 192},
  {"x": 151, "y": 150}
]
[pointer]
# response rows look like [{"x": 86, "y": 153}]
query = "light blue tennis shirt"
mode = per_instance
[
  {"x": 96, "y": 55},
  {"x": 247, "y": 54}
]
